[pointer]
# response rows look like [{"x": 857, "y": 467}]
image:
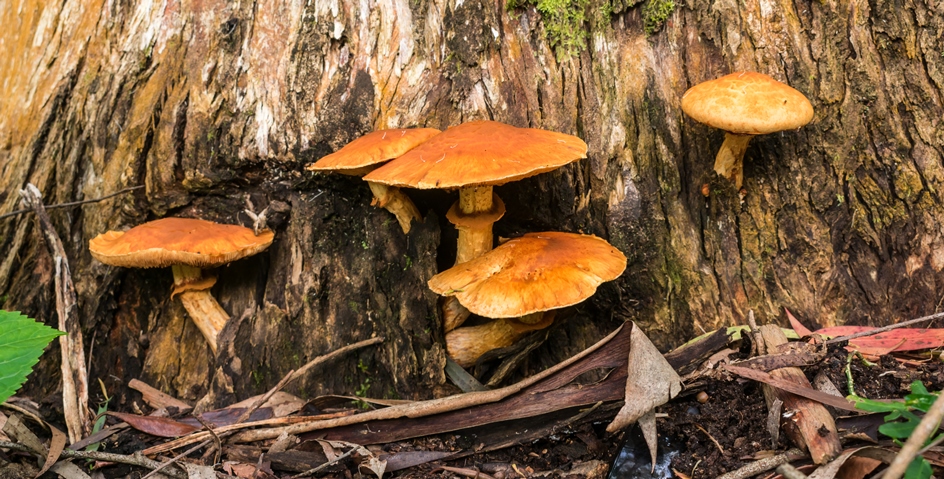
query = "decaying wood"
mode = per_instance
[
  {"x": 72, "y": 349},
  {"x": 807, "y": 423}
]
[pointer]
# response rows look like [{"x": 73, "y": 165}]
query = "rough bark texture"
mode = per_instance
[{"x": 207, "y": 102}]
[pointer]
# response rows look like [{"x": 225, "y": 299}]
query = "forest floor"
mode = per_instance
[{"x": 715, "y": 426}]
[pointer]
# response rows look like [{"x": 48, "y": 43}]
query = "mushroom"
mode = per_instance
[
  {"x": 366, "y": 153},
  {"x": 473, "y": 157},
  {"x": 744, "y": 104},
  {"x": 188, "y": 246},
  {"x": 520, "y": 280}
]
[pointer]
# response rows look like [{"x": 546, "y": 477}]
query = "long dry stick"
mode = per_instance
[
  {"x": 875, "y": 331},
  {"x": 72, "y": 203},
  {"x": 74, "y": 375},
  {"x": 411, "y": 410},
  {"x": 762, "y": 465},
  {"x": 135, "y": 460}
]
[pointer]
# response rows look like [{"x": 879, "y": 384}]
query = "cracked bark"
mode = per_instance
[{"x": 840, "y": 222}]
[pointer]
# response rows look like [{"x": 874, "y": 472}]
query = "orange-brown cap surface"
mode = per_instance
[
  {"x": 373, "y": 148},
  {"x": 536, "y": 272},
  {"x": 171, "y": 241},
  {"x": 480, "y": 153},
  {"x": 747, "y": 103}
]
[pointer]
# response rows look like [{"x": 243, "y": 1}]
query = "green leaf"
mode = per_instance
[
  {"x": 22, "y": 341},
  {"x": 870, "y": 405},
  {"x": 897, "y": 430},
  {"x": 918, "y": 469}
]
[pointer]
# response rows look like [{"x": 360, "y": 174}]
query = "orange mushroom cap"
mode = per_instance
[
  {"x": 185, "y": 241},
  {"x": 533, "y": 273},
  {"x": 373, "y": 148},
  {"x": 480, "y": 153},
  {"x": 747, "y": 103}
]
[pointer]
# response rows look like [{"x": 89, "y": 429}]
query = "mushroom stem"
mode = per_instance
[
  {"x": 454, "y": 313},
  {"x": 396, "y": 202},
  {"x": 730, "y": 160},
  {"x": 473, "y": 215},
  {"x": 466, "y": 345},
  {"x": 204, "y": 311}
]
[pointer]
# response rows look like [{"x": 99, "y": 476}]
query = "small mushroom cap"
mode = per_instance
[
  {"x": 536, "y": 272},
  {"x": 747, "y": 103},
  {"x": 480, "y": 153},
  {"x": 373, "y": 148},
  {"x": 178, "y": 241}
]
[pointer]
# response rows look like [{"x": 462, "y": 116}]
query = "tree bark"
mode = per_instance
[{"x": 207, "y": 103}]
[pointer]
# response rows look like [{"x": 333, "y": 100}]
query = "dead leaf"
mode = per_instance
[
  {"x": 369, "y": 459},
  {"x": 797, "y": 325},
  {"x": 281, "y": 403},
  {"x": 650, "y": 381},
  {"x": 69, "y": 470},
  {"x": 241, "y": 470},
  {"x": 56, "y": 444},
  {"x": 809, "y": 393},
  {"x": 156, "y": 426},
  {"x": 407, "y": 459},
  {"x": 853, "y": 463}
]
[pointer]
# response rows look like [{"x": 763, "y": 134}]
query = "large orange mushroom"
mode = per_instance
[
  {"x": 473, "y": 157},
  {"x": 744, "y": 104},
  {"x": 519, "y": 281},
  {"x": 366, "y": 153},
  {"x": 187, "y": 246}
]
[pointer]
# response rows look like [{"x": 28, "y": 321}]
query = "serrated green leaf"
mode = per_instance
[{"x": 22, "y": 341}]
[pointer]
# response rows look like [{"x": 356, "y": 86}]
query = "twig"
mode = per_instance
[
  {"x": 136, "y": 460},
  {"x": 790, "y": 472},
  {"x": 762, "y": 465},
  {"x": 715, "y": 441},
  {"x": 909, "y": 450},
  {"x": 72, "y": 203},
  {"x": 162, "y": 465},
  {"x": 216, "y": 437},
  {"x": 74, "y": 374},
  {"x": 326, "y": 465},
  {"x": 760, "y": 348},
  {"x": 886, "y": 328}
]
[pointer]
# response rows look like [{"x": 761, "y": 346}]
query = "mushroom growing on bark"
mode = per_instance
[
  {"x": 366, "y": 153},
  {"x": 744, "y": 104},
  {"x": 187, "y": 246},
  {"x": 519, "y": 281},
  {"x": 474, "y": 157}
]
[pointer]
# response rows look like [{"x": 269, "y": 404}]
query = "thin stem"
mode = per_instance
[{"x": 72, "y": 203}]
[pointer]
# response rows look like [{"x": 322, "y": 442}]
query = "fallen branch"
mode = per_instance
[
  {"x": 134, "y": 460},
  {"x": 762, "y": 465},
  {"x": 883, "y": 329},
  {"x": 74, "y": 375},
  {"x": 410, "y": 410}
]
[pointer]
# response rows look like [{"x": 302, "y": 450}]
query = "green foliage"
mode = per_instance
[
  {"x": 901, "y": 422},
  {"x": 22, "y": 341},
  {"x": 655, "y": 13}
]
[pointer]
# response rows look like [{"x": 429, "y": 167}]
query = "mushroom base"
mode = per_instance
[
  {"x": 204, "y": 311},
  {"x": 454, "y": 314},
  {"x": 466, "y": 345},
  {"x": 729, "y": 162},
  {"x": 474, "y": 214},
  {"x": 396, "y": 202}
]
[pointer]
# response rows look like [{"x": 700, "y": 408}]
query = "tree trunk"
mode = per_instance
[{"x": 209, "y": 103}]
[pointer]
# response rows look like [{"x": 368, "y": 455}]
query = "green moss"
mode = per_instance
[
  {"x": 564, "y": 23},
  {"x": 655, "y": 13}
]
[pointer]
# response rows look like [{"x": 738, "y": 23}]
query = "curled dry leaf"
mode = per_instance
[
  {"x": 156, "y": 426},
  {"x": 369, "y": 460}
]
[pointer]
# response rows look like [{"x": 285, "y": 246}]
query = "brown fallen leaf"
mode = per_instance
[{"x": 155, "y": 426}]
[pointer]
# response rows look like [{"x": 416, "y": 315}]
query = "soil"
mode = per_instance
[{"x": 697, "y": 439}]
